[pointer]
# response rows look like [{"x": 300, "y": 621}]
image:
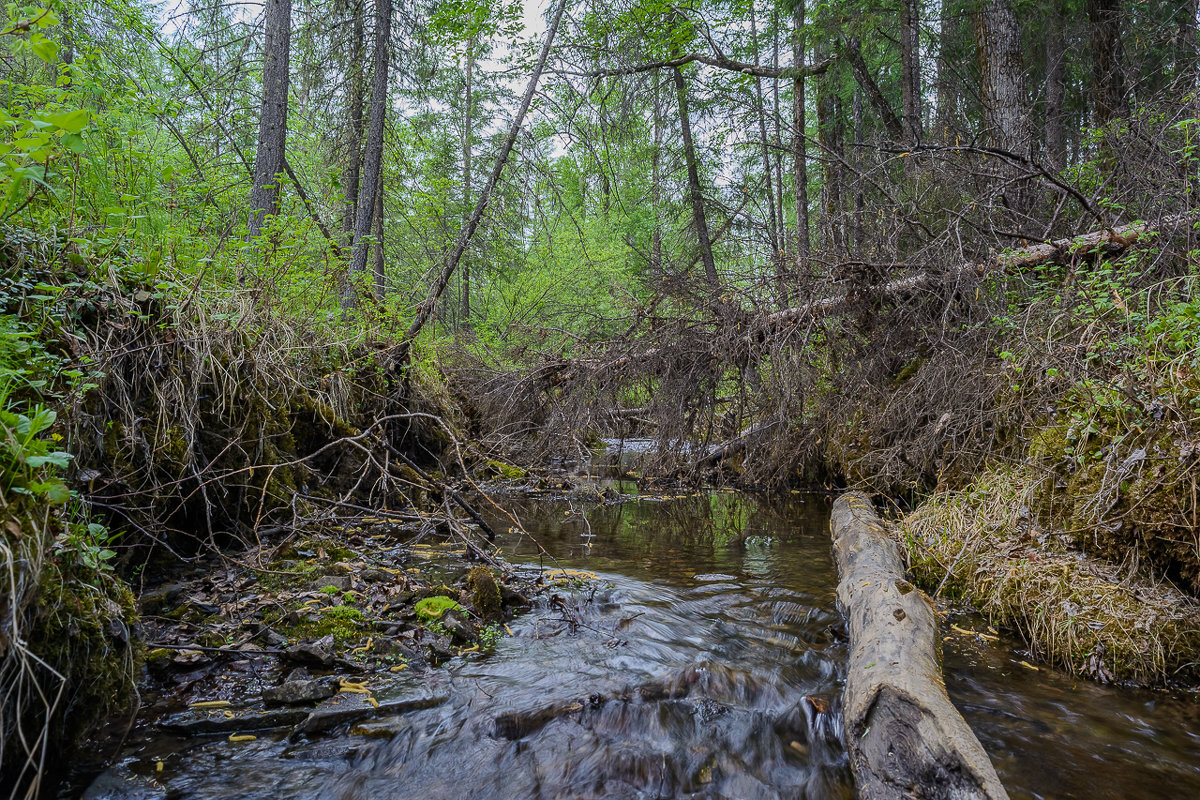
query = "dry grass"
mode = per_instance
[{"x": 983, "y": 545}]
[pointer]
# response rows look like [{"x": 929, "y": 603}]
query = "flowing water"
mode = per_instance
[{"x": 703, "y": 661}]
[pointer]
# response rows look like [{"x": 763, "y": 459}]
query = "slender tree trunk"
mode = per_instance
[
  {"x": 1056, "y": 90},
  {"x": 1002, "y": 73},
  {"x": 464, "y": 237},
  {"x": 800, "y": 145},
  {"x": 354, "y": 119},
  {"x": 910, "y": 70},
  {"x": 828, "y": 136},
  {"x": 1109, "y": 92},
  {"x": 272, "y": 119},
  {"x": 946, "y": 88},
  {"x": 772, "y": 231},
  {"x": 859, "y": 197},
  {"x": 1186, "y": 44},
  {"x": 777, "y": 134},
  {"x": 373, "y": 161},
  {"x": 468, "y": 191},
  {"x": 380, "y": 255},
  {"x": 695, "y": 193},
  {"x": 858, "y": 66},
  {"x": 656, "y": 266}
]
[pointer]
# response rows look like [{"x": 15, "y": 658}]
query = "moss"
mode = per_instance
[
  {"x": 909, "y": 370},
  {"x": 431, "y": 608},
  {"x": 485, "y": 592},
  {"x": 344, "y": 623},
  {"x": 501, "y": 469},
  {"x": 983, "y": 545}
]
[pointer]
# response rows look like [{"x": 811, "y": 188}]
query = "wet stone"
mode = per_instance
[
  {"x": 339, "y": 582},
  {"x": 384, "y": 728},
  {"x": 460, "y": 629},
  {"x": 298, "y": 691},
  {"x": 120, "y": 783},
  {"x": 346, "y": 708},
  {"x": 375, "y": 576},
  {"x": 308, "y": 654},
  {"x": 200, "y": 722},
  {"x": 439, "y": 649}
]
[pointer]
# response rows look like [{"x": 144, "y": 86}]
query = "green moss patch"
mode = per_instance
[{"x": 431, "y": 608}]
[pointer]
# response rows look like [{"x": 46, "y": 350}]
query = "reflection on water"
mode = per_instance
[{"x": 700, "y": 665}]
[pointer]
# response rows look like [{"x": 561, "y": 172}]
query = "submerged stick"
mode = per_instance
[{"x": 904, "y": 736}]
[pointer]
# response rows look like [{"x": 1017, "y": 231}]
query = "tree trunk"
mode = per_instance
[
  {"x": 468, "y": 192},
  {"x": 772, "y": 230},
  {"x": 859, "y": 196},
  {"x": 272, "y": 119},
  {"x": 1002, "y": 74},
  {"x": 910, "y": 70},
  {"x": 695, "y": 193},
  {"x": 354, "y": 119},
  {"x": 800, "y": 145},
  {"x": 1109, "y": 93},
  {"x": 373, "y": 162},
  {"x": 1056, "y": 90},
  {"x": 904, "y": 736},
  {"x": 829, "y": 138},
  {"x": 945, "y": 86},
  {"x": 858, "y": 66},
  {"x": 380, "y": 255},
  {"x": 777, "y": 136},
  {"x": 464, "y": 238},
  {"x": 656, "y": 265},
  {"x": 1185, "y": 45}
]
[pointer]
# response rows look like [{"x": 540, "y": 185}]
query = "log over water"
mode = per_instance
[{"x": 904, "y": 736}]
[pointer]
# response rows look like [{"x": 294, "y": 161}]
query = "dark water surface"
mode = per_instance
[{"x": 699, "y": 663}]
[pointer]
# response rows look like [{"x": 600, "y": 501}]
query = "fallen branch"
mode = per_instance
[
  {"x": 719, "y": 452},
  {"x": 904, "y": 736},
  {"x": 720, "y": 62},
  {"x": 1109, "y": 242}
]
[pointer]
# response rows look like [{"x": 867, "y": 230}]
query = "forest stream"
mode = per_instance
[{"x": 704, "y": 659}]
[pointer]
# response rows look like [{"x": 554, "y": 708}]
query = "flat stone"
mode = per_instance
[
  {"x": 298, "y": 691},
  {"x": 384, "y": 728},
  {"x": 347, "y": 707},
  {"x": 215, "y": 721}
]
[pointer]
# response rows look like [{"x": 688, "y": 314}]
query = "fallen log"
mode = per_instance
[
  {"x": 731, "y": 447},
  {"x": 1109, "y": 242},
  {"x": 904, "y": 737}
]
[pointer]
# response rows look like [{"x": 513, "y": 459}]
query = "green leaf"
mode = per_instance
[
  {"x": 69, "y": 121},
  {"x": 43, "y": 48},
  {"x": 58, "y": 459},
  {"x": 58, "y": 493},
  {"x": 74, "y": 143}
]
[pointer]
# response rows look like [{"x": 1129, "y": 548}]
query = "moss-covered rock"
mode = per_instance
[{"x": 484, "y": 592}]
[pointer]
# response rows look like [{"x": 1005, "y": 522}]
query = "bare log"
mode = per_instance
[
  {"x": 904, "y": 736},
  {"x": 737, "y": 444}
]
